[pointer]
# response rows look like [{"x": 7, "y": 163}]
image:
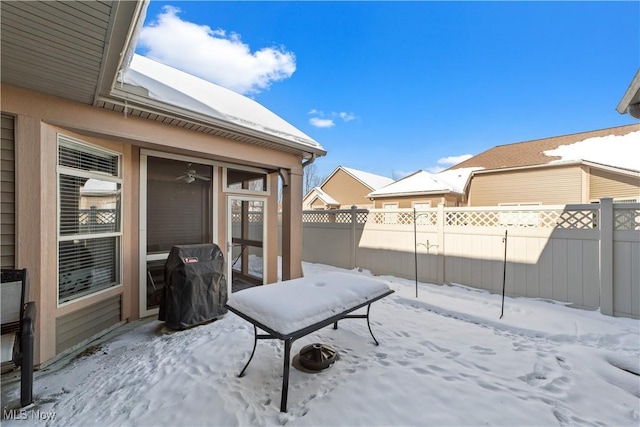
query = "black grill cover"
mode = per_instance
[{"x": 195, "y": 288}]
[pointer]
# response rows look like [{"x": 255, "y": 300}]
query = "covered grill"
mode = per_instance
[{"x": 195, "y": 287}]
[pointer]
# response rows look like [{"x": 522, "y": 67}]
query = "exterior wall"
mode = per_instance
[
  {"x": 603, "y": 183},
  {"x": 347, "y": 190},
  {"x": 548, "y": 186},
  {"x": 407, "y": 202},
  {"x": 39, "y": 118},
  {"x": 317, "y": 204}
]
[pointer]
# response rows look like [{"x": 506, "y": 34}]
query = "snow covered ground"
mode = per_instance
[{"x": 445, "y": 358}]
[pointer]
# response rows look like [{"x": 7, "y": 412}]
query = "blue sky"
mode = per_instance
[{"x": 394, "y": 87}]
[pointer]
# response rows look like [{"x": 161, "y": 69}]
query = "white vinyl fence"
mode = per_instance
[{"x": 587, "y": 255}]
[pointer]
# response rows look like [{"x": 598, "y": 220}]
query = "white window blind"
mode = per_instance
[{"x": 89, "y": 219}]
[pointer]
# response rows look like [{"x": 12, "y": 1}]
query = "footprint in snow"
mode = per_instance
[
  {"x": 563, "y": 363},
  {"x": 483, "y": 350}
]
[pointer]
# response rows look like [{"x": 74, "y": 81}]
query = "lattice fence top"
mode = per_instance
[
  {"x": 577, "y": 217},
  {"x": 568, "y": 218},
  {"x": 373, "y": 216},
  {"x": 337, "y": 217},
  {"x": 253, "y": 217},
  {"x": 97, "y": 216},
  {"x": 626, "y": 219}
]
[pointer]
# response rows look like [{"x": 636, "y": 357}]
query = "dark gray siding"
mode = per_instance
[{"x": 7, "y": 187}]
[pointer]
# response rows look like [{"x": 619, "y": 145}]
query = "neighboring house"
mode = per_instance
[
  {"x": 577, "y": 168},
  {"x": 630, "y": 102},
  {"x": 420, "y": 190},
  {"x": 109, "y": 159},
  {"x": 318, "y": 199},
  {"x": 343, "y": 188}
]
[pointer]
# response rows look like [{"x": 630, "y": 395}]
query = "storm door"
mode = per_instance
[
  {"x": 176, "y": 209},
  {"x": 246, "y": 250}
]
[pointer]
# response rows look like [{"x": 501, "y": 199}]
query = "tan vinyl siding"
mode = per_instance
[
  {"x": 76, "y": 327},
  {"x": 549, "y": 186},
  {"x": 7, "y": 187},
  {"x": 347, "y": 190},
  {"x": 608, "y": 184},
  {"x": 406, "y": 202},
  {"x": 317, "y": 204}
]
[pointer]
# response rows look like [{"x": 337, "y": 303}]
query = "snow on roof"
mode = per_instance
[
  {"x": 622, "y": 151},
  {"x": 326, "y": 199},
  {"x": 174, "y": 87},
  {"x": 457, "y": 178},
  {"x": 371, "y": 180},
  {"x": 418, "y": 182}
]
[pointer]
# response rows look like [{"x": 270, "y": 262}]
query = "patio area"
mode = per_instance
[{"x": 445, "y": 358}]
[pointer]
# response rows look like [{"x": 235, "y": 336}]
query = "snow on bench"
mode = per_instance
[{"x": 292, "y": 309}]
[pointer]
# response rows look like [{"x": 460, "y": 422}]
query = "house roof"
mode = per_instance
[
  {"x": 418, "y": 183},
  {"x": 175, "y": 87},
  {"x": 369, "y": 180},
  {"x": 324, "y": 197},
  {"x": 618, "y": 147},
  {"x": 630, "y": 102}
]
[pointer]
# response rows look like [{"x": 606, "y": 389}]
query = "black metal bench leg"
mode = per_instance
[
  {"x": 369, "y": 325},
  {"x": 255, "y": 343},
  {"x": 285, "y": 374}
]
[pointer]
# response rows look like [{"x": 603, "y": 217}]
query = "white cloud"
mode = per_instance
[
  {"x": 454, "y": 160},
  {"x": 444, "y": 163},
  {"x": 399, "y": 174},
  {"x": 321, "y": 123},
  {"x": 327, "y": 120},
  {"x": 435, "y": 169},
  {"x": 213, "y": 55},
  {"x": 347, "y": 117}
]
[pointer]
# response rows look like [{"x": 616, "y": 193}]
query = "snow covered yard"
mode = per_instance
[{"x": 444, "y": 359}]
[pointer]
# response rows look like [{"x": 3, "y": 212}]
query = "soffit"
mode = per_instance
[{"x": 67, "y": 49}]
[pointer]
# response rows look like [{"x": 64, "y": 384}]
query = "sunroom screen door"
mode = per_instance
[
  {"x": 247, "y": 253},
  {"x": 178, "y": 212}
]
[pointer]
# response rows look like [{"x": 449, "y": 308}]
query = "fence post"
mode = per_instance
[
  {"x": 441, "y": 248},
  {"x": 354, "y": 244},
  {"x": 606, "y": 256}
]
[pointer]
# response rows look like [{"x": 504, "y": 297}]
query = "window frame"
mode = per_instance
[
  {"x": 227, "y": 189},
  {"x": 65, "y": 140}
]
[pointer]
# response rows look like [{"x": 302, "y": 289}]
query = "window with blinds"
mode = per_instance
[{"x": 89, "y": 219}]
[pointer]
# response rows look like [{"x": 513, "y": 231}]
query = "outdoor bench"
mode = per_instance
[
  {"x": 295, "y": 308},
  {"x": 18, "y": 319}
]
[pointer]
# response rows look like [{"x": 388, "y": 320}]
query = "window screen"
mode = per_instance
[{"x": 89, "y": 219}]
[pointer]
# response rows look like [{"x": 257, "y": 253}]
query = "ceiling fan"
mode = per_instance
[{"x": 191, "y": 175}]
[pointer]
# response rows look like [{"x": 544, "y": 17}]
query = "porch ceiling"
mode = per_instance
[{"x": 67, "y": 49}]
